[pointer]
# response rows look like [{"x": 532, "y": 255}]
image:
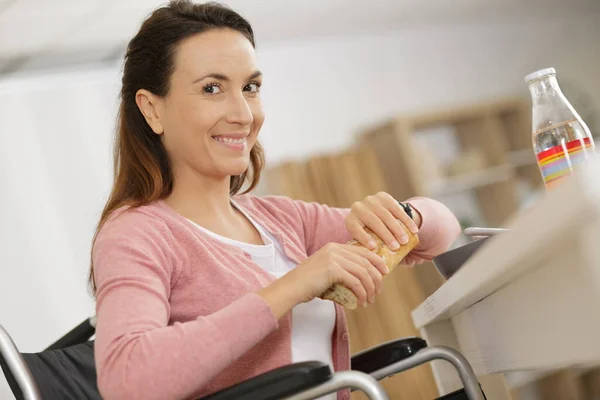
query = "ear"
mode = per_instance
[{"x": 148, "y": 103}]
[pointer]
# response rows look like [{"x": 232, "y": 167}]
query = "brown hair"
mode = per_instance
[{"x": 142, "y": 171}]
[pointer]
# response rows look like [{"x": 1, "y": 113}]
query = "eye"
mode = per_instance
[
  {"x": 212, "y": 88},
  {"x": 252, "y": 87}
]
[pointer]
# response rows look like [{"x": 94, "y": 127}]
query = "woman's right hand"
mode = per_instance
[{"x": 354, "y": 267}]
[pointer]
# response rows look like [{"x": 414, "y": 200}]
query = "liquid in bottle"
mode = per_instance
[{"x": 562, "y": 142}]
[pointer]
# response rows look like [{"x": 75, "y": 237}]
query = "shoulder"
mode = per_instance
[
  {"x": 135, "y": 240},
  {"x": 140, "y": 229},
  {"x": 128, "y": 220}
]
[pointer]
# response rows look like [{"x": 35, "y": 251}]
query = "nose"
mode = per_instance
[{"x": 239, "y": 111}]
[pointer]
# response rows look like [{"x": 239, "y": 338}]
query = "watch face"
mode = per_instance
[{"x": 407, "y": 209}]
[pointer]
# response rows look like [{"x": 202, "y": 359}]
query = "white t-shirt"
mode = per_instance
[{"x": 313, "y": 322}]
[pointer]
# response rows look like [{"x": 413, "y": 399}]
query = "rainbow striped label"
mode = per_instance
[{"x": 562, "y": 161}]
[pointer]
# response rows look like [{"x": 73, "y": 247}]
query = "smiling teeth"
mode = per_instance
[{"x": 229, "y": 140}]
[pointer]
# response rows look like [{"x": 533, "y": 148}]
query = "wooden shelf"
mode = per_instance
[
  {"x": 499, "y": 131},
  {"x": 470, "y": 181}
]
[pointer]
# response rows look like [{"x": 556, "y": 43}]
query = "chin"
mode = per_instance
[{"x": 236, "y": 168}]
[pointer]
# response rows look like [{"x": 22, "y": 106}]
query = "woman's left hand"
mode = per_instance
[{"x": 380, "y": 213}]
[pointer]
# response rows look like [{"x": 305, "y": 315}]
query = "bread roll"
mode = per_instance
[{"x": 344, "y": 296}]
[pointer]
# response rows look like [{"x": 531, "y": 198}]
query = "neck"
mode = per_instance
[{"x": 202, "y": 199}]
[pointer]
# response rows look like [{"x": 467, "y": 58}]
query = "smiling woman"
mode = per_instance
[
  {"x": 199, "y": 287},
  {"x": 211, "y": 115}
]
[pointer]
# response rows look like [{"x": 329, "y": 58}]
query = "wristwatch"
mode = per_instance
[{"x": 407, "y": 209}]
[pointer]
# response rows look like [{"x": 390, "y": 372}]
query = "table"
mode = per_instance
[{"x": 529, "y": 300}]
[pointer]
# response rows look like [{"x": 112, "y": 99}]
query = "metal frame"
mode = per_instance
[
  {"x": 367, "y": 383},
  {"x": 345, "y": 380},
  {"x": 465, "y": 372},
  {"x": 18, "y": 367},
  {"x": 340, "y": 380}
]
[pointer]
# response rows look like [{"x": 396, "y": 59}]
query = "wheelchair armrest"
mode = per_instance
[
  {"x": 376, "y": 358},
  {"x": 278, "y": 383},
  {"x": 80, "y": 334}
]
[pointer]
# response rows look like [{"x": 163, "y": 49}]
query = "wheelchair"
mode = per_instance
[{"x": 66, "y": 370}]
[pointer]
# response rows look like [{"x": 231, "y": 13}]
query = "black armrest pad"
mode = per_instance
[
  {"x": 278, "y": 383},
  {"x": 381, "y": 356},
  {"x": 80, "y": 334}
]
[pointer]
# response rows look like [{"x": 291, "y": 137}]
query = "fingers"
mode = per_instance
[
  {"x": 357, "y": 268},
  {"x": 372, "y": 258},
  {"x": 393, "y": 207},
  {"x": 411, "y": 260},
  {"x": 371, "y": 220},
  {"x": 358, "y": 232},
  {"x": 371, "y": 269},
  {"x": 377, "y": 280},
  {"x": 394, "y": 216},
  {"x": 353, "y": 283},
  {"x": 394, "y": 225},
  {"x": 418, "y": 260},
  {"x": 383, "y": 215},
  {"x": 363, "y": 276}
]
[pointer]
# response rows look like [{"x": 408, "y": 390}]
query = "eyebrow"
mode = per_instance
[{"x": 225, "y": 78}]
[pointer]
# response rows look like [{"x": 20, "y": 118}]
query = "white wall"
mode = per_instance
[
  {"x": 56, "y": 131},
  {"x": 319, "y": 94},
  {"x": 54, "y": 174}
]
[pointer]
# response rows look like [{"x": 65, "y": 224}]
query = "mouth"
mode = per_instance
[{"x": 232, "y": 142}]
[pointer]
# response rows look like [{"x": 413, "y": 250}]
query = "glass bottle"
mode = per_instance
[{"x": 562, "y": 142}]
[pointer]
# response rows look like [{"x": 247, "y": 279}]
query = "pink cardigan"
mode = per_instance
[{"x": 178, "y": 313}]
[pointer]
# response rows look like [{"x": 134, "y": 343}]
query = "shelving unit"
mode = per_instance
[
  {"x": 470, "y": 181},
  {"x": 499, "y": 132}
]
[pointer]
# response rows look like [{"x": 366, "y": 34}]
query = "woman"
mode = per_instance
[{"x": 197, "y": 287}]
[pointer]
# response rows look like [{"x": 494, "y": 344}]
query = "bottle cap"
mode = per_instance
[{"x": 538, "y": 74}]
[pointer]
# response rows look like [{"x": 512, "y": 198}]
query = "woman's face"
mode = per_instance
[{"x": 210, "y": 119}]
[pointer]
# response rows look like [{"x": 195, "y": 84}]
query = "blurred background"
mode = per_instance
[{"x": 417, "y": 98}]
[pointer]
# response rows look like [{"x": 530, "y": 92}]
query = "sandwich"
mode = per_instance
[{"x": 344, "y": 296}]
